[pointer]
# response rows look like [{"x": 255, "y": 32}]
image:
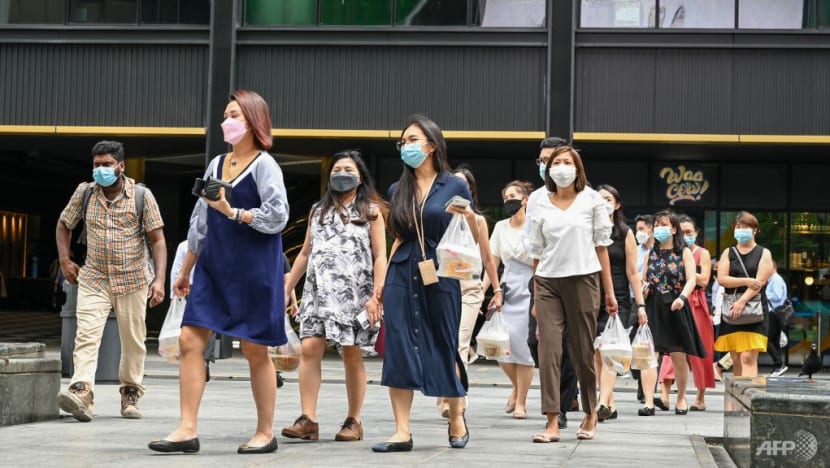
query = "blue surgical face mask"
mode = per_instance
[
  {"x": 662, "y": 233},
  {"x": 542, "y": 171},
  {"x": 412, "y": 155},
  {"x": 689, "y": 240},
  {"x": 743, "y": 235},
  {"x": 104, "y": 176}
]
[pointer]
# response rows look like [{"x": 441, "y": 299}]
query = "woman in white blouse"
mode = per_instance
[
  {"x": 506, "y": 244},
  {"x": 568, "y": 236}
]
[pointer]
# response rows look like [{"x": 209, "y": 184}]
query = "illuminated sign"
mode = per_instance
[{"x": 683, "y": 184}]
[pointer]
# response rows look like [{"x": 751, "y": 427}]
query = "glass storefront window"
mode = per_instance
[
  {"x": 281, "y": 12},
  {"x": 771, "y": 14},
  {"x": 103, "y": 11},
  {"x": 431, "y": 13},
  {"x": 772, "y": 233},
  {"x": 620, "y": 14},
  {"x": 175, "y": 11},
  {"x": 356, "y": 12},
  {"x": 510, "y": 14},
  {"x": 699, "y": 14},
  {"x": 32, "y": 11}
]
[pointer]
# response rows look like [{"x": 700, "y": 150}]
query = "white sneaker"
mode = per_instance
[{"x": 779, "y": 371}]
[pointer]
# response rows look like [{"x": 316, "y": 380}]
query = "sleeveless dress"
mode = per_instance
[
  {"x": 619, "y": 278},
  {"x": 237, "y": 285},
  {"x": 421, "y": 322},
  {"x": 673, "y": 330},
  {"x": 339, "y": 279},
  {"x": 752, "y": 336}
]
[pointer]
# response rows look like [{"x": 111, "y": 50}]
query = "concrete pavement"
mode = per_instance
[{"x": 227, "y": 418}]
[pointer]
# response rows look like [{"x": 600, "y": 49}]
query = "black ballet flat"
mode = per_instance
[
  {"x": 645, "y": 411},
  {"x": 459, "y": 442},
  {"x": 168, "y": 446},
  {"x": 246, "y": 449},
  {"x": 681, "y": 412},
  {"x": 385, "y": 447},
  {"x": 658, "y": 402}
]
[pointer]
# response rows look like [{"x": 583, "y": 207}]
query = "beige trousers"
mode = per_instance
[
  {"x": 573, "y": 300},
  {"x": 92, "y": 311},
  {"x": 471, "y": 298}
]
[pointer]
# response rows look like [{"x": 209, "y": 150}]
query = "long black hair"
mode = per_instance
[
  {"x": 620, "y": 227},
  {"x": 401, "y": 218},
  {"x": 365, "y": 195},
  {"x": 464, "y": 169},
  {"x": 678, "y": 244}
]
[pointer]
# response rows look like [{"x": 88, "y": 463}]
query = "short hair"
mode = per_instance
[
  {"x": 114, "y": 148},
  {"x": 523, "y": 186},
  {"x": 746, "y": 218},
  {"x": 552, "y": 142},
  {"x": 646, "y": 218},
  {"x": 257, "y": 114},
  {"x": 581, "y": 179}
]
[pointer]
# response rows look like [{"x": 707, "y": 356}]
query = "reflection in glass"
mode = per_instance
[
  {"x": 356, "y": 12},
  {"x": 175, "y": 11},
  {"x": 32, "y": 11},
  {"x": 701, "y": 14},
  {"x": 103, "y": 11},
  {"x": 620, "y": 13},
  {"x": 281, "y": 12},
  {"x": 510, "y": 13},
  {"x": 431, "y": 13},
  {"x": 771, "y": 14}
]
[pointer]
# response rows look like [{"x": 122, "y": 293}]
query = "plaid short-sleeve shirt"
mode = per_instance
[{"x": 116, "y": 251}]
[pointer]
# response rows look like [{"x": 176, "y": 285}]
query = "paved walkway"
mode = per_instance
[{"x": 227, "y": 419}]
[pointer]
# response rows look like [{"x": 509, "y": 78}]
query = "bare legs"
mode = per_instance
[
  {"x": 401, "y": 408},
  {"x": 311, "y": 375},
  {"x": 649, "y": 378},
  {"x": 192, "y": 385},
  {"x": 681, "y": 379},
  {"x": 745, "y": 364},
  {"x": 607, "y": 379},
  {"x": 521, "y": 377},
  {"x": 355, "y": 379}
]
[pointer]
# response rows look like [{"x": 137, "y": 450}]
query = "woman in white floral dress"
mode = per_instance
[{"x": 344, "y": 260}]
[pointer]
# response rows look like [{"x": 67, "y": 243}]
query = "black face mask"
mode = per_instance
[
  {"x": 512, "y": 206},
  {"x": 343, "y": 182}
]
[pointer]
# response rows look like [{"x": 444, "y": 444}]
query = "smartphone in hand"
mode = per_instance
[{"x": 458, "y": 202}]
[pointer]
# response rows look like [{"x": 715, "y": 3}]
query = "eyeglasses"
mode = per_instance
[
  {"x": 401, "y": 143},
  {"x": 539, "y": 162}
]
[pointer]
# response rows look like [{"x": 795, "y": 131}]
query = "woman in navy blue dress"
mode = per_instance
[
  {"x": 238, "y": 281},
  {"x": 422, "y": 315}
]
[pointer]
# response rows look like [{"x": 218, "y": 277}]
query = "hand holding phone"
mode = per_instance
[{"x": 458, "y": 202}]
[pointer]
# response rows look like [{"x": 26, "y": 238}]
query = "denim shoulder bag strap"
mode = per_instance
[{"x": 753, "y": 311}]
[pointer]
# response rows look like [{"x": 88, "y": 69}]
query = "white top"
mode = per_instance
[
  {"x": 506, "y": 243},
  {"x": 564, "y": 241},
  {"x": 530, "y": 208}
]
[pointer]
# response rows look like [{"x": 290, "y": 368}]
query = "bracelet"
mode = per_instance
[
  {"x": 641, "y": 306},
  {"x": 683, "y": 298},
  {"x": 497, "y": 290},
  {"x": 239, "y": 215},
  {"x": 234, "y": 214}
]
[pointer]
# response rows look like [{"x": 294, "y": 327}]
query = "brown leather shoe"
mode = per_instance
[
  {"x": 129, "y": 402},
  {"x": 303, "y": 428},
  {"x": 350, "y": 431}
]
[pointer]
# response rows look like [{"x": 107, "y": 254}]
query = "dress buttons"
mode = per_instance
[
  {"x": 415, "y": 295},
  {"x": 416, "y": 330},
  {"x": 416, "y": 349}
]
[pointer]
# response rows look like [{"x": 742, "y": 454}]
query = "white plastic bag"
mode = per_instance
[
  {"x": 614, "y": 347},
  {"x": 286, "y": 358},
  {"x": 493, "y": 340},
  {"x": 171, "y": 329},
  {"x": 643, "y": 355},
  {"x": 458, "y": 254}
]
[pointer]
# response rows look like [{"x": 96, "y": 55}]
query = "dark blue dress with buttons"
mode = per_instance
[{"x": 421, "y": 322}]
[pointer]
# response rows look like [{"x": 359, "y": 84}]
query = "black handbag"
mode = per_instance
[{"x": 784, "y": 313}]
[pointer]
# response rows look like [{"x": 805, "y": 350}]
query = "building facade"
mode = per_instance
[{"x": 707, "y": 106}]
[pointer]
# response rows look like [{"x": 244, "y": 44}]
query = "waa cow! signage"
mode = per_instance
[{"x": 684, "y": 185}]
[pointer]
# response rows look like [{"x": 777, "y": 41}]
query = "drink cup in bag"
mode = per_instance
[{"x": 286, "y": 358}]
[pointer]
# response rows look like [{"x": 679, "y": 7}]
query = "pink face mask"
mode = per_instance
[{"x": 234, "y": 130}]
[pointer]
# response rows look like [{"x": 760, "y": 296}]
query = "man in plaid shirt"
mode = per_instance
[{"x": 116, "y": 276}]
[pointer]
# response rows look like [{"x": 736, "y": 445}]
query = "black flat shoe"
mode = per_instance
[
  {"x": 681, "y": 412},
  {"x": 459, "y": 442},
  {"x": 167, "y": 446},
  {"x": 562, "y": 421},
  {"x": 603, "y": 413},
  {"x": 384, "y": 447},
  {"x": 645, "y": 411},
  {"x": 267, "y": 448},
  {"x": 658, "y": 402},
  {"x": 613, "y": 415}
]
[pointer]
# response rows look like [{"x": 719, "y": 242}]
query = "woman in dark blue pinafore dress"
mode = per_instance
[
  {"x": 421, "y": 321},
  {"x": 237, "y": 285}
]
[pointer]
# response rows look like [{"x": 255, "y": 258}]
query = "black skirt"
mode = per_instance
[{"x": 674, "y": 331}]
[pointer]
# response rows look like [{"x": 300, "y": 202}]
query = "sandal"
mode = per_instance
[{"x": 583, "y": 434}]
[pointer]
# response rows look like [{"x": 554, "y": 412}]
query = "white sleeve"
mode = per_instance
[{"x": 272, "y": 215}]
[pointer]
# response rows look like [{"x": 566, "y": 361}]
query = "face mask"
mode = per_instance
[
  {"x": 105, "y": 176},
  {"x": 512, "y": 206},
  {"x": 609, "y": 207},
  {"x": 662, "y": 233},
  {"x": 743, "y": 235},
  {"x": 563, "y": 175},
  {"x": 233, "y": 130},
  {"x": 343, "y": 182},
  {"x": 642, "y": 237},
  {"x": 690, "y": 240},
  {"x": 542, "y": 171},
  {"x": 412, "y": 155}
]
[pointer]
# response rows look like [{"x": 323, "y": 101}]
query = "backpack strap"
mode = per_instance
[
  {"x": 139, "y": 203},
  {"x": 84, "y": 205}
]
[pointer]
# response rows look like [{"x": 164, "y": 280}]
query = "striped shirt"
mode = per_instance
[{"x": 116, "y": 255}]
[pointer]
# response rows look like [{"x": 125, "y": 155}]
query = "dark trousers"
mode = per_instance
[
  {"x": 773, "y": 342},
  {"x": 568, "y": 383}
]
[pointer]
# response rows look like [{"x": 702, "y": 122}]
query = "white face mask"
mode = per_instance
[
  {"x": 642, "y": 237},
  {"x": 609, "y": 207},
  {"x": 563, "y": 175}
]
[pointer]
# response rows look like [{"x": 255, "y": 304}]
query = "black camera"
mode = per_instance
[{"x": 209, "y": 188}]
